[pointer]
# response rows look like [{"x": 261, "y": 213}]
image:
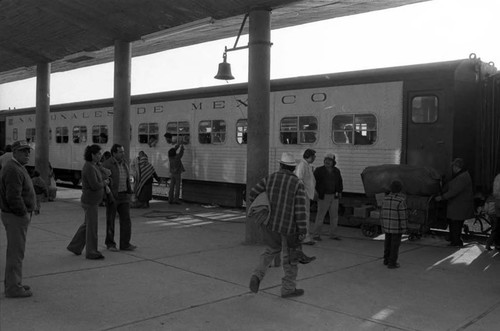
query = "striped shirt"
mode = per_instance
[
  {"x": 394, "y": 216},
  {"x": 287, "y": 199}
]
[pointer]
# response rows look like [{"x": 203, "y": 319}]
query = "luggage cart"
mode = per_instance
[{"x": 423, "y": 213}]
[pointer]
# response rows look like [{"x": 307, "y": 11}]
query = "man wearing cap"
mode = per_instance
[
  {"x": 459, "y": 195},
  {"x": 286, "y": 226},
  {"x": 304, "y": 171},
  {"x": 17, "y": 201},
  {"x": 329, "y": 187}
]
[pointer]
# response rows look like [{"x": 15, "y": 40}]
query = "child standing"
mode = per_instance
[
  {"x": 394, "y": 221},
  {"x": 41, "y": 190}
]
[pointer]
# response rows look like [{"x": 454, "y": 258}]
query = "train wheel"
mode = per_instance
[{"x": 369, "y": 230}]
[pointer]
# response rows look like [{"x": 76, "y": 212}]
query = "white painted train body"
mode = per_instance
[{"x": 410, "y": 115}]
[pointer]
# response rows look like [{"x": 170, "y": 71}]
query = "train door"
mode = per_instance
[{"x": 428, "y": 130}]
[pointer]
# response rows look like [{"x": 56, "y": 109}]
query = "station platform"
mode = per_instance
[{"x": 191, "y": 271}]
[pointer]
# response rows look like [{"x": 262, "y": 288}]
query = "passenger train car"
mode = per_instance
[{"x": 423, "y": 115}]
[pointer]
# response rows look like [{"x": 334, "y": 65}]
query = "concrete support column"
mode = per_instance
[
  {"x": 121, "y": 116},
  {"x": 42, "y": 120},
  {"x": 259, "y": 67}
]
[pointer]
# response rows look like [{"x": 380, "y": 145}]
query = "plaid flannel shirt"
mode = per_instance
[
  {"x": 287, "y": 200},
  {"x": 394, "y": 215}
]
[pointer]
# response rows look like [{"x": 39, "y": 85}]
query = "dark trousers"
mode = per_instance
[
  {"x": 456, "y": 232},
  {"x": 391, "y": 247},
  {"x": 86, "y": 235},
  {"x": 175, "y": 188},
  {"x": 122, "y": 207},
  {"x": 16, "y": 228}
]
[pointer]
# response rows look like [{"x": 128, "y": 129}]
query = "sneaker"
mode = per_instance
[
  {"x": 113, "y": 249},
  {"x": 95, "y": 257},
  {"x": 254, "y": 284},
  {"x": 394, "y": 266},
  {"x": 335, "y": 238},
  {"x": 129, "y": 248},
  {"x": 308, "y": 242},
  {"x": 19, "y": 293},
  {"x": 296, "y": 293},
  {"x": 304, "y": 259}
]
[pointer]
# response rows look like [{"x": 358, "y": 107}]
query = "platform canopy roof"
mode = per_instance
[{"x": 72, "y": 34}]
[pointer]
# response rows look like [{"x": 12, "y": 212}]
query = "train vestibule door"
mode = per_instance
[{"x": 428, "y": 130}]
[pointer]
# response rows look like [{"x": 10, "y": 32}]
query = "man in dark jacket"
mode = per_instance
[
  {"x": 459, "y": 195},
  {"x": 17, "y": 201},
  {"x": 329, "y": 187},
  {"x": 121, "y": 191}
]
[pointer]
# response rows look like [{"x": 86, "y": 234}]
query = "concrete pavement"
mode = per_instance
[{"x": 191, "y": 272}]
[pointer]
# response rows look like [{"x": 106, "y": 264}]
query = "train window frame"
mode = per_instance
[
  {"x": 79, "y": 134},
  {"x": 147, "y": 133},
  {"x": 100, "y": 134},
  {"x": 299, "y": 130},
  {"x": 30, "y": 135},
  {"x": 179, "y": 129},
  {"x": 425, "y": 116},
  {"x": 15, "y": 134},
  {"x": 349, "y": 129},
  {"x": 62, "y": 135},
  {"x": 242, "y": 131},
  {"x": 208, "y": 133}
]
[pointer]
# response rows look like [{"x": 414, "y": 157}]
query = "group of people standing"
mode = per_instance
[{"x": 290, "y": 190}]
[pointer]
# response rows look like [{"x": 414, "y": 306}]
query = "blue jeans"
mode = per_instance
[
  {"x": 277, "y": 243},
  {"x": 391, "y": 247}
]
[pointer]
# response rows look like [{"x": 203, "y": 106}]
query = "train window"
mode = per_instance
[
  {"x": 148, "y": 133},
  {"x": 241, "y": 131},
  {"x": 100, "y": 134},
  {"x": 15, "y": 136},
  {"x": 298, "y": 130},
  {"x": 424, "y": 109},
  {"x": 62, "y": 136},
  {"x": 79, "y": 134},
  {"x": 212, "y": 132},
  {"x": 354, "y": 129},
  {"x": 30, "y": 135},
  {"x": 179, "y": 132}
]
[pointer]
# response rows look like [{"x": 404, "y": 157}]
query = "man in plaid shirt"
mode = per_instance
[
  {"x": 286, "y": 227},
  {"x": 394, "y": 221}
]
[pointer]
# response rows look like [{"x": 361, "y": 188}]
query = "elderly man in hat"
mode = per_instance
[
  {"x": 286, "y": 226},
  {"x": 459, "y": 195},
  {"x": 305, "y": 172},
  {"x": 329, "y": 187},
  {"x": 17, "y": 201}
]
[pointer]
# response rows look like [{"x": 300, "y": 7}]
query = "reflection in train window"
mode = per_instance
[
  {"x": 100, "y": 134},
  {"x": 148, "y": 133},
  {"x": 298, "y": 130},
  {"x": 30, "y": 135},
  {"x": 424, "y": 109},
  {"x": 241, "y": 131},
  {"x": 79, "y": 134},
  {"x": 15, "y": 136},
  {"x": 212, "y": 132},
  {"x": 62, "y": 136},
  {"x": 179, "y": 131},
  {"x": 354, "y": 129}
]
